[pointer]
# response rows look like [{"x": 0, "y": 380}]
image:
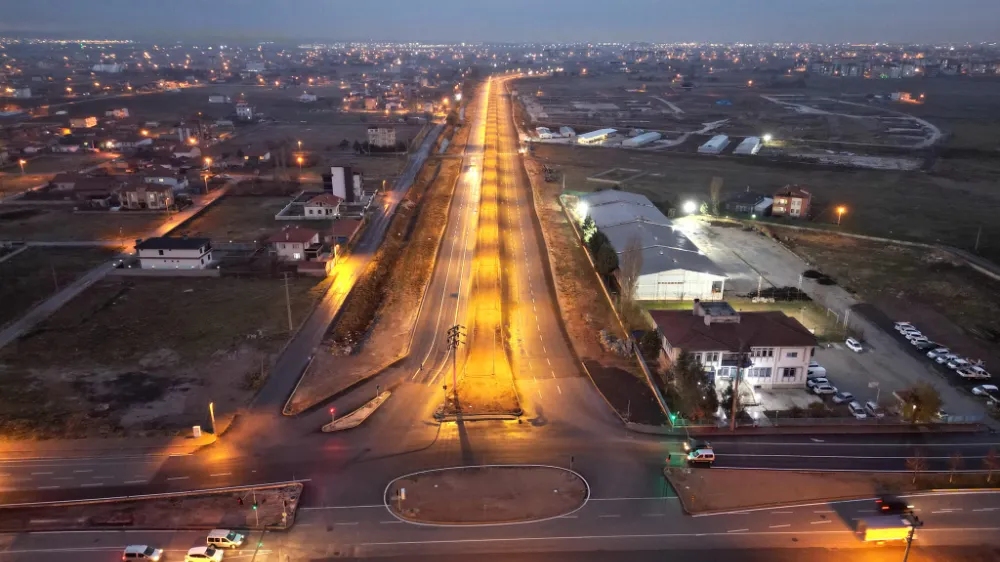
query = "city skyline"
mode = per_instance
[{"x": 915, "y": 21}]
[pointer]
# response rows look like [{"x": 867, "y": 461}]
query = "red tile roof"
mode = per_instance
[
  {"x": 294, "y": 234},
  {"x": 345, "y": 227},
  {"x": 683, "y": 329},
  {"x": 325, "y": 199},
  {"x": 793, "y": 191}
]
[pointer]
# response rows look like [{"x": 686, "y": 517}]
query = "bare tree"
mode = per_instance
[
  {"x": 954, "y": 465},
  {"x": 917, "y": 463},
  {"x": 991, "y": 462},
  {"x": 715, "y": 192},
  {"x": 629, "y": 269}
]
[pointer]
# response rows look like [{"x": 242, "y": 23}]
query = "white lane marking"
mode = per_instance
[
  {"x": 135, "y": 482},
  {"x": 568, "y": 517},
  {"x": 40, "y": 473},
  {"x": 820, "y": 522},
  {"x": 48, "y": 487},
  {"x": 608, "y": 516},
  {"x": 945, "y": 511},
  {"x": 779, "y": 512},
  {"x": 639, "y": 498},
  {"x": 824, "y": 511},
  {"x": 103, "y": 477},
  {"x": 539, "y": 393},
  {"x": 987, "y": 509},
  {"x": 558, "y": 388},
  {"x": 737, "y": 530},
  {"x": 222, "y": 474},
  {"x": 63, "y": 478},
  {"x": 780, "y": 526},
  {"x": 92, "y": 484},
  {"x": 178, "y": 478},
  {"x": 83, "y": 471},
  {"x": 349, "y": 522},
  {"x": 652, "y": 514}
]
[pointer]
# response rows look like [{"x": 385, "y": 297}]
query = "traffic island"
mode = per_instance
[
  {"x": 270, "y": 507},
  {"x": 357, "y": 417},
  {"x": 486, "y": 495},
  {"x": 717, "y": 490}
]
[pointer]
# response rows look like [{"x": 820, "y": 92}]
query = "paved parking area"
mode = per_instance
[{"x": 887, "y": 359}]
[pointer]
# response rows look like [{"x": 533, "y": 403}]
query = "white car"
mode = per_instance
[
  {"x": 825, "y": 388},
  {"x": 815, "y": 370},
  {"x": 958, "y": 363},
  {"x": 974, "y": 372},
  {"x": 816, "y": 381},
  {"x": 944, "y": 359},
  {"x": 854, "y": 345},
  {"x": 915, "y": 336},
  {"x": 142, "y": 552},
  {"x": 843, "y": 397},
  {"x": 873, "y": 410},
  {"x": 857, "y": 411},
  {"x": 203, "y": 554},
  {"x": 918, "y": 341},
  {"x": 904, "y": 326},
  {"x": 939, "y": 351},
  {"x": 985, "y": 389}
]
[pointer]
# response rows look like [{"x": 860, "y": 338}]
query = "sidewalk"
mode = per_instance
[{"x": 100, "y": 447}]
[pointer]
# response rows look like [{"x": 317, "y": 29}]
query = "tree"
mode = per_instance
[
  {"x": 695, "y": 392},
  {"x": 650, "y": 344},
  {"x": 597, "y": 240},
  {"x": 629, "y": 268},
  {"x": 921, "y": 403},
  {"x": 954, "y": 465},
  {"x": 588, "y": 229},
  {"x": 357, "y": 147},
  {"x": 715, "y": 193},
  {"x": 345, "y": 144},
  {"x": 917, "y": 464},
  {"x": 991, "y": 463},
  {"x": 606, "y": 260}
]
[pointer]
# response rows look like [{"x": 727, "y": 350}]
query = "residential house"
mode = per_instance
[
  {"x": 748, "y": 203},
  {"x": 165, "y": 177},
  {"x": 256, "y": 154},
  {"x": 129, "y": 142},
  {"x": 307, "y": 97},
  {"x": 22, "y": 93},
  {"x": 295, "y": 244},
  {"x": 382, "y": 136},
  {"x": 96, "y": 191},
  {"x": 244, "y": 111},
  {"x": 141, "y": 196},
  {"x": 83, "y": 122},
  {"x": 65, "y": 181},
  {"x": 326, "y": 205},
  {"x": 174, "y": 253},
  {"x": 791, "y": 201},
  {"x": 186, "y": 151},
  {"x": 773, "y": 349}
]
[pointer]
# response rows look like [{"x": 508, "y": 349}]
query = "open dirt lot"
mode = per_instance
[
  {"x": 207, "y": 511},
  {"x": 912, "y": 284},
  {"x": 906, "y": 205},
  {"x": 488, "y": 495},
  {"x": 721, "y": 489},
  {"x": 388, "y": 339},
  {"x": 242, "y": 219},
  {"x": 36, "y": 273},
  {"x": 144, "y": 355},
  {"x": 58, "y": 224}
]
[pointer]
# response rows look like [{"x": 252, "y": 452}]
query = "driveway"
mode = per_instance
[{"x": 748, "y": 257}]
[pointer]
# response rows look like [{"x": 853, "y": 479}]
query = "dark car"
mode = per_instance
[
  {"x": 927, "y": 346},
  {"x": 892, "y": 505}
]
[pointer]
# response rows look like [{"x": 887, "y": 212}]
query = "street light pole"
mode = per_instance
[
  {"x": 455, "y": 335},
  {"x": 22, "y": 162},
  {"x": 211, "y": 415}
]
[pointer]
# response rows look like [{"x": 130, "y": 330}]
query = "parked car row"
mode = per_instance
[
  {"x": 941, "y": 355},
  {"x": 212, "y": 552},
  {"x": 817, "y": 382}
]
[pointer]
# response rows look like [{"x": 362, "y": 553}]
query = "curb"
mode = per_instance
[
  {"x": 374, "y": 403},
  {"x": 200, "y": 492},
  {"x": 385, "y": 496},
  {"x": 476, "y": 417}
]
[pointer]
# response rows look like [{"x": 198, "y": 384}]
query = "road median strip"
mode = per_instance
[{"x": 357, "y": 417}]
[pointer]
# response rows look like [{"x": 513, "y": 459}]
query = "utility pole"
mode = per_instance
[
  {"x": 288, "y": 305},
  {"x": 455, "y": 338},
  {"x": 740, "y": 361},
  {"x": 914, "y": 523}
]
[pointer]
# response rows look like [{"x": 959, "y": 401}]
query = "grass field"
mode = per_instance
[
  {"x": 57, "y": 224},
  {"x": 143, "y": 354},
  {"x": 905, "y": 205},
  {"x": 243, "y": 219},
  {"x": 36, "y": 273}
]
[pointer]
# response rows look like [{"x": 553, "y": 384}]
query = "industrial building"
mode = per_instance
[
  {"x": 749, "y": 146},
  {"x": 567, "y": 132},
  {"x": 543, "y": 132},
  {"x": 673, "y": 268},
  {"x": 715, "y": 145},
  {"x": 642, "y": 140},
  {"x": 595, "y": 137}
]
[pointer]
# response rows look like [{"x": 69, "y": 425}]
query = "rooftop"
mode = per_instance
[
  {"x": 690, "y": 332},
  {"x": 165, "y": 243},
  {"x": 613, "y": 214},
  {"x": 614, "y": 196},
  {"x": 294, "y": 234}
]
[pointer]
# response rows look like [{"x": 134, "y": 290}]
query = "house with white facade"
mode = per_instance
[
  {"x": 382, "y": 136},
  {"x": 296, "y": 244},
  {"x": 325, "y": 205},
  {"x": 174, "y": 253},
  {"x": 772, "y": 349}
]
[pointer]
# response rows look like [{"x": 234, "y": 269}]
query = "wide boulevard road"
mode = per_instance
[{"x": 565, "y": 423}]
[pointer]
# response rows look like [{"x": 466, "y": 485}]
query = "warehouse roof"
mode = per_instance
[
  {"x": 614, "y": 196},
  {"x": 658, "y": 259},
  {"x": 648, "y": 235},
  {"x": 597, "y": 134},
  {"x": 613, "y": 214}
]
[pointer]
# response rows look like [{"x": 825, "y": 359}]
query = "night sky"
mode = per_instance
[{"x": 510, "y": 20}]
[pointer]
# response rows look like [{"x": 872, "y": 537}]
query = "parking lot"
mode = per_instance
[{"x": 887, "y": 358}]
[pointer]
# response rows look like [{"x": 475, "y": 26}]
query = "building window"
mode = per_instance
[
  {"x": 296, "y": 256},
  {"x": 161, "y": 252},
  {"x": 792, "y": 354},
  {"x": 760, "y": 372},
  {"x": 711, "y": 357},
  {"x": 762, "y": 352},
  {"x": 789, "y": 372}
]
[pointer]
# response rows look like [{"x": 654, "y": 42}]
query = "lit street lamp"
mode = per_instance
[
  {"x": 300, "y": 146},
  {"x": 208, "y": 162},
  {"x": 299, "y": 160},
  {"x": 22, "y": 162},
  {"x": 840, "y": 213}
]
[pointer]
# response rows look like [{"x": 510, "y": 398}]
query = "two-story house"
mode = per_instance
[
  {"x": 174, "y": 253},
  {"x": 326, "y": 205},
  {"x": 773, "y": 349},
  {"x": 137, "y": 196},
  {"x": 791, "y": 201},
  {"x": 296, "y": 244}
]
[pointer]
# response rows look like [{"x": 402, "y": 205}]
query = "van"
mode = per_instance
[
  {"x": 224, "y": 538},
  {"x": 701, "y": 456},
  {"x": 142, "y": 552}
]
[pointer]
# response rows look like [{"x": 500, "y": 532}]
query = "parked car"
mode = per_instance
[
  {"x": 958, "y": 363},
  {"x": 701, "y": 456},
  {"x": 224, "y": 538},
  {"x": 857, "y": 411},
  {"x": 919, "y": 341},
  {"x": 903, "y": 326},
  {"x": 203, "y": 554},
  {"x": 938, "y": 351},
  {"x": 815, "y": 370},
  {"x": 816, "y": 381},
  {"x": 825, "y": 388},
  {"x": 943, "y": 359},
  {"x": 873, "y": 410},
  {"x": 926, "y": 346},
  {"x": 910, "y": 334},
  {"x": 974, "y": 372},
  {"x": 843, "y": 397},
  {"x": 854, "y": 345},
  {"x": 985, "y": 390}
]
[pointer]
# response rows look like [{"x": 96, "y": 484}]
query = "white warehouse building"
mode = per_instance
[
  {"x": 642, "y": 140},
  {"x": 595, "y": 137},
  {"x": 715, "y": 145},
  {"x": 673, "y": 268},
  {"x": 749, "y": 146}
]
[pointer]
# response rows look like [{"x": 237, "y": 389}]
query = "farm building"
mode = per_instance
[
  {"x": 595, "y": 137},
  {"x": 715, "y": 145},
  {"x": 749, "y": 146},
  {"x": 642, "y": 140}
]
